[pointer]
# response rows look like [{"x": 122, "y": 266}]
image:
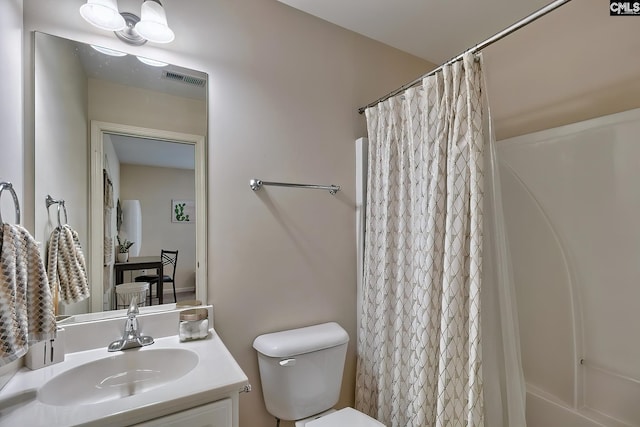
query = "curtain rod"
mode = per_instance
[{"x": 491, "y": 40}]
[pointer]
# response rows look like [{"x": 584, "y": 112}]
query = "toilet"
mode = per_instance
[{"x": 301, "y": 373}]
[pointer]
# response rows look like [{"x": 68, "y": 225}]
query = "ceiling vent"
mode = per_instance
[{"x": 183, "y": 78}]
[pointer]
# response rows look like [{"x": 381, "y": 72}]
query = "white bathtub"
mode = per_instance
[
  {"x": 542, "y": 412},
  {"x": 545, "y": 411}
]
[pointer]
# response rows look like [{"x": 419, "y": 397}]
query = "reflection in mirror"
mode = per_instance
[
  {"x": 146, "y": 185},
  {"x": 143, "y": 127},
  {"x": 144, "y": 177}
]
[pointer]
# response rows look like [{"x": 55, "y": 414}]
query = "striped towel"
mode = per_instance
[
  {"x": 26, "y": 305},
  {"x": 66, "y": 266}
]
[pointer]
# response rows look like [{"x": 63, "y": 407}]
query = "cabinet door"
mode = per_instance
[{"x": 216, "y": 414}]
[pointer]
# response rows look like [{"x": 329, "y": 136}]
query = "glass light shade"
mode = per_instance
[
  {"x": 107, "y": 51},
  {"x": 151, "y": 62},
  {"x": 103, "y": 14},
  {"x": 153, "y": 23}
]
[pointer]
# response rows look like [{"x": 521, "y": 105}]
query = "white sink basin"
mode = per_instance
[{"x": 126, "y": 374}]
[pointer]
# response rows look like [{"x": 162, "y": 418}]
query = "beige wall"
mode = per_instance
[
  {"x": 11, "y": 104},
  {"x": 115, "y": 103},
  {"x": 11, "y": 118},
  {"x": 573, "y": 64},
  {"x": 283, "y": 108},
  {"x": 155, "y": 188},
  {"x": 61, "y": 151}
]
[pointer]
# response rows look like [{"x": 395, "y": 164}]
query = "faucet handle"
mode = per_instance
[{"x": 133, "y": 307}]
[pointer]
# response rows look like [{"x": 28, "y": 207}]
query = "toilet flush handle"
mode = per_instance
[{"x": 288, "y": 362}]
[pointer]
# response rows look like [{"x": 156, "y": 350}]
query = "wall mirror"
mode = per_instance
[{"x": 122, "y": 140}]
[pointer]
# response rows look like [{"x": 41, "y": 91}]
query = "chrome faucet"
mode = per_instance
[{"x": 131, "y": 338}]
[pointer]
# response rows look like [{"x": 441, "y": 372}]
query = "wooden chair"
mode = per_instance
[{"x": 168, "y": 258}]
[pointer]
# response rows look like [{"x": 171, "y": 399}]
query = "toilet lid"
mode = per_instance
[{"x": 347, "y": 417}]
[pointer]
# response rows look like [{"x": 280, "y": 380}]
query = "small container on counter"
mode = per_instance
[{"x": 194, "y": 324}]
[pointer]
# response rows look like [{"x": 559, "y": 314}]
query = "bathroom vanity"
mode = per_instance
[{"x": 194, "y": 383}]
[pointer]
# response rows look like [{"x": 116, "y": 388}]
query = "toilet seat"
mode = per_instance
[{"x": 347, "y": 417}]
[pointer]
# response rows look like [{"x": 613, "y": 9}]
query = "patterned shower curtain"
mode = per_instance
[{"x": 419, "y": 344}]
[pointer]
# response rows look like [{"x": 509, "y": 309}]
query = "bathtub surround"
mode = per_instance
[
  {"x": 571, "y": 204},
  {"x": 420, "y": 347}
]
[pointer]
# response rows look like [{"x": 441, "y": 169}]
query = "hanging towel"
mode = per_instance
[
  {"x": 66, "y": 267},
  {"x": 26, "y": 306}
]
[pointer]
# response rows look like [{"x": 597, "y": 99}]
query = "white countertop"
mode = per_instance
[{"x": 217, "y": 375}]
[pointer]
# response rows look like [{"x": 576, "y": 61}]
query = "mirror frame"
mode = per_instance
[{"x": 96, "y": 217}]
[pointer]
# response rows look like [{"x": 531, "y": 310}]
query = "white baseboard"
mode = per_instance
[{"x": 168, "y": 290}]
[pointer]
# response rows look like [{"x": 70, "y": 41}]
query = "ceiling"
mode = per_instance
[
  {"x": 152, "y": 152},
  {"x": 435, "y": 30}
]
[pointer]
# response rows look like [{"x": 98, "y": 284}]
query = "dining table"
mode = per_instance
[{"x": 141, "y": 263}]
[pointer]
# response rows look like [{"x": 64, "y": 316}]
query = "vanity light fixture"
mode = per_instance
[{"x": 128, "y": 27}]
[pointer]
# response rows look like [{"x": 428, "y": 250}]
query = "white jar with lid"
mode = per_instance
[{"x": 194, "y": 324}]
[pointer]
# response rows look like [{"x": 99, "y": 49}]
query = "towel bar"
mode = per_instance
[
  {"x": 51, "y": 201},
  {"x": 256, "y": 184},
  {"x": 7, "y": 185}
]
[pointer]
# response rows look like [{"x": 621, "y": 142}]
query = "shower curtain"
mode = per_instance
[{"x": 437, "y": 342}]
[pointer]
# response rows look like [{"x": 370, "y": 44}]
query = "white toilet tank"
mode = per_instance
[{"x": 301, "y": 369}]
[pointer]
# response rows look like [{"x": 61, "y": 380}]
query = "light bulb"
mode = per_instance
[
  {"x": 151, "y": 62},
  {"x": 107, "y": 51},
  {"x": 103, "y": 14},
  {"x": 153, "y": 23}
]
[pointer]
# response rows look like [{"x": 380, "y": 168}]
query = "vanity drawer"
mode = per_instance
[{"x": 216, "y": 414}]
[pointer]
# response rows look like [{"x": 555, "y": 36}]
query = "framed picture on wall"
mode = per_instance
[{"x": 183, "y": 211}]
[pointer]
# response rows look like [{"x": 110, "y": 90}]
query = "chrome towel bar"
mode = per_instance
[
  {"x": 256, "y": 184},
  {"x": 51, "y": 201},
  {"x": 8, "y": 186}
]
